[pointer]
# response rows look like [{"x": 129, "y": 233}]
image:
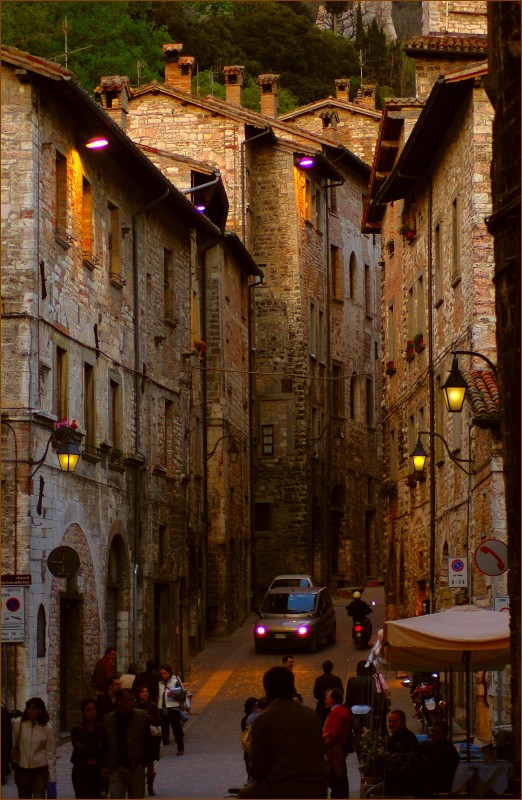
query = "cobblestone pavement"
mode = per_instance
[{"x": 222, "y": 676}]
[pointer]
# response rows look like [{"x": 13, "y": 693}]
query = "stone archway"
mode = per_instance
[
  {"x": 74, "y": 633},
  {"x": 118, "y": 601}
]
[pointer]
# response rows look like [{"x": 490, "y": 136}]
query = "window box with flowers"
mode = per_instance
[
  {"x": 391, "y": 369},
  {"x": 116, "y": 459},
  {"x": 67, "y": 431},
  {"x": 390, "y": 247},
  {"x": 418, "y": 342},
  {"x": 410, "y": 350},
  {"x": 407, "y": 231}
]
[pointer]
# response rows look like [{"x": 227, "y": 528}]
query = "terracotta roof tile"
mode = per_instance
[
  {"x": 483, "y": 395},
  {"x": 464, "y": 44},
  {"x": 114, "y": 83}
]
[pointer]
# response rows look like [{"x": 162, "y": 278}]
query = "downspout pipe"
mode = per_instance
[
  {"x": 431, "y": 392},
  {"x": 137, "y": 415},
  {"x": 213, "y": 182}
]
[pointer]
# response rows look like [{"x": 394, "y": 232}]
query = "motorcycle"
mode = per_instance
[
  {"x": 361, "y": 633},
  {"x": 428, "y": 703}
]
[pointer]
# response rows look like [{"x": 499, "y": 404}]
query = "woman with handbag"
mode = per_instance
[
  {"x": 172, "y": 696},
  {"x": 153, "y": 713},
  {"x": 88, "y": 756},
  {"x": 34, "y": 751}
]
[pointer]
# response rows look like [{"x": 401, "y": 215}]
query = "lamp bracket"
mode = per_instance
[{"x": 453, "y": 457}]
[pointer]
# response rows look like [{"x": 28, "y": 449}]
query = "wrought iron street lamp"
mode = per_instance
[
  {"x": 68, "y": 456},
  {"x": 455, "y": 387}
]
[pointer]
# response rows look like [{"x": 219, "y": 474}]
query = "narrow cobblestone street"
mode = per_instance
[{"x": 223, "y": 675}]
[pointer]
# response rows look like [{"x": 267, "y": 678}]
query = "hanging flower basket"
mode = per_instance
[
  {"x": 390, "y": 246},
  {"x": 418, "y": 342},
  {"x": 390, "y": 368},
  {"x": 200, "y": 347},
  {"x": 410, "y": 350},
  {"x": 411, "y": 480}
]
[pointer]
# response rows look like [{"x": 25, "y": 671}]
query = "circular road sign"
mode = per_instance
[
  {"x": 491, "y": 557},
  {"x": 457, "y": 565}
]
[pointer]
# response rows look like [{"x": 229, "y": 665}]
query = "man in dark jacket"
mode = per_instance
[
  {"x": 360, "y": 700},
  {"x": 287, "y": 753},
  {"x": 104, "y": 669},
  {"x": 324, "y": 682},
  {"x": 128, "y": 747},
  {"x": 358, "y": 609},
  {"x": 402, "y": 766},
  {"x": 439, "y": 761}
]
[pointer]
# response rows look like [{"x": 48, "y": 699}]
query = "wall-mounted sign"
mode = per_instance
[
  {"x": 501, "y": 603},
  {"x": 13, "y": 613},
  {"x": 458, "y": 572},
  {"x": 491, "y": 557}
]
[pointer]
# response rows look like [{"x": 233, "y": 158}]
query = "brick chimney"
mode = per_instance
[
  {"x": 330, "y": 121},
  {"x": 366, "y": 96},
  {"x": 234, "y": 80},
  {"x": 269, "y": 85},
  {"x": 113, "y": 95},
  {"x": 342, "y": 86},
  {"x": 178, "y": 68}
]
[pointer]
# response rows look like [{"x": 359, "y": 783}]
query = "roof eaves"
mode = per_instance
[
  {"x": 441, "y": 106},
  {"x": 238, "y": 248}
]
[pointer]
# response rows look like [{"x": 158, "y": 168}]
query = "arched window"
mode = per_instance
[{"x": 41, "y": 631}]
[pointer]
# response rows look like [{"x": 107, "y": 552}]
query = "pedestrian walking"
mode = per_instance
[
  {"x": 34, "y": 752},
  {"x": 150, "y": 677},
  {"x": 104, "y": 669},
  {"x": 172, "y": 695},
  {"x": 322, "y": 683},
  {"x": 287, "y": 754},
  {"x": 128, "y": 678},
  {"x": 360, "y": 700},
  {"x": 107, "y": 702},
  {"x": 154, "y": 717},
  {"x": 128, "y": 743},
  {"x": 336, "y": 737},
  {"x": 88, "y": 756}
]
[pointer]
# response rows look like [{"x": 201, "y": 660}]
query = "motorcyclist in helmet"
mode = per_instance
[{"x": 358, "y": 609}]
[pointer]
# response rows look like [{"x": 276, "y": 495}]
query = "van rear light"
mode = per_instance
[
  {"x": 302, "y": 630},
  {"x": 260, "y": 630}
]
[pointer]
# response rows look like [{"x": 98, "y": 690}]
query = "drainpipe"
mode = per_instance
[
  {"x": 252, "y": 430},
  {"x": 213, "y": 182},
  {"x": 137, "y": 416},
  {"x": 431, "y": 392}
]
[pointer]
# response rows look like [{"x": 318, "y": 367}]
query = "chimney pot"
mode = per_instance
[
  {"x": 113, "y": 95},
  {"x": 341, "y": 88},
  {"x": 234, "y": 80},
  {"x": 269, "y": 85},
  {"x": 366, "y": 96},
  {"x": 178, "y": 68}
]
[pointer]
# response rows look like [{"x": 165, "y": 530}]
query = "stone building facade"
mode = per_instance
[
  {"x": 430, "y": 193},
  {"x": 503, "y": 87},
  {"x": 300, "y": 234},
  {"x": 120, "y": 303}
]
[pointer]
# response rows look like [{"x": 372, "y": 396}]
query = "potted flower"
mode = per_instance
[
  {"x": 410, "y": 350},
  {"x": 66, "y": 431},
  {"x": 200, "y": 347},
  {"x": 411, "y": 480},
  {"x": 407, "y": 231},
  {"x": 390, "y": 368},
  {"x": 418, "y": 342},
  {"x": 390, "y": 246},
  {"x": 372, "y": 757}
]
